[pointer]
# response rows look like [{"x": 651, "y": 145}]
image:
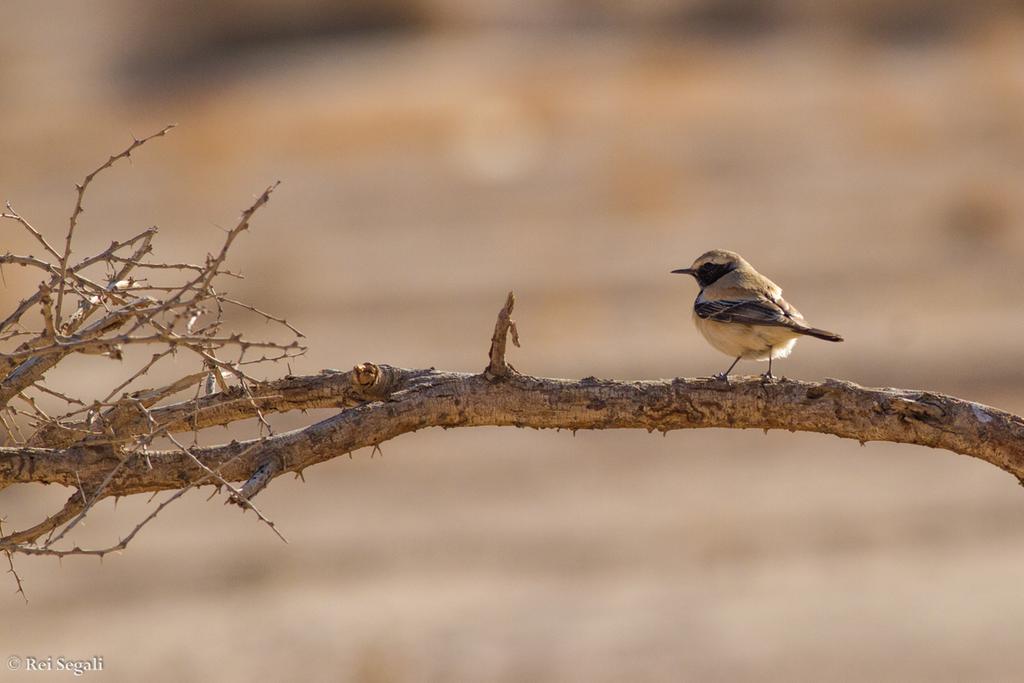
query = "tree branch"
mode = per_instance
[
  {"x": 105, "y": 447},
  {"x": 381, "y": 402},
  {"x": 329, "y": 389},
  {"x": 417, "y": 399}
]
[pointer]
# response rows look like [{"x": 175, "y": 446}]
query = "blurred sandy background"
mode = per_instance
[{"x": 437, "y": 153}]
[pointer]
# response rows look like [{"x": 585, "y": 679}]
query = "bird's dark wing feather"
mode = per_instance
[{"x": 746, "y": 311}]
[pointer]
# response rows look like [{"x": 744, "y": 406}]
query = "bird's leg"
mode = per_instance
[
  {"x": 768, "y": 376},
  {"x": 724, "y": 376}
]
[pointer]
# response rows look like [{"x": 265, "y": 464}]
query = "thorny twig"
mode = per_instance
[
  {"x": 12, "y": 571},
  {"x": 80, "y": 189},
  {"x": 110, "y": 311}
]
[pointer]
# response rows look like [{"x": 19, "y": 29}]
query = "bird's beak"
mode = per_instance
[{"x": 684, "y": 271}]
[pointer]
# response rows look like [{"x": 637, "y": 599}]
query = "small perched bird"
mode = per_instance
[{"x": 742, "y": 313}]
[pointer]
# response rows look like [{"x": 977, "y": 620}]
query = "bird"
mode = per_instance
[{"x": 742, "y": 313}]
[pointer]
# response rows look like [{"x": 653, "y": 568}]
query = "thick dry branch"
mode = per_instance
[
  {"x": 416, "y": 399},
  {"x": 330, "y": 389}
]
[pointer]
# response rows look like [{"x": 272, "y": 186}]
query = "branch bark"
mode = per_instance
[{"x": 409, "y": 400}]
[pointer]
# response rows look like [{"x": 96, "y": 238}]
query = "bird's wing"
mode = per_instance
[
  {"x": 788, "y": 308},
  {"x": 749, "y": 312}
]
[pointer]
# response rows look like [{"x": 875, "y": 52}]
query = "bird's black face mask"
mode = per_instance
[{"x": 710, "y": 272}]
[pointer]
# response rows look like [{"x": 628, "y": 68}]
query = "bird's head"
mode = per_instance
[{"x": 713, "y": 265}]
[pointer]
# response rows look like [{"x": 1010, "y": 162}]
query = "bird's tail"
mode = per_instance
[{"x": 820, "y": 334}]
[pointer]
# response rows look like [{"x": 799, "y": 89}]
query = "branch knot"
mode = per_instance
[{"x": 372, "y": 381}]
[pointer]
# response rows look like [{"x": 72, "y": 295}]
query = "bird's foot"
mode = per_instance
[
  {"x": 768, "y": 378},
  {"x": 721, "y": 377}
]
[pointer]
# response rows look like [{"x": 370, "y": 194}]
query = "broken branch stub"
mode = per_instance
[{"x": 498, "y": 367}]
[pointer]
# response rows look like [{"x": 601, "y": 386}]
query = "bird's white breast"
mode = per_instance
[{"x": 751, "y": 342}]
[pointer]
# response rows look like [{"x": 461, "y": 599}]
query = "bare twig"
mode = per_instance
[
  {"x": 13, "y": 215},
  {"x": 80, "y": 189},
  {"x": 238, "y": 497},
  {"x": 12, "y": 571},
  {"x": 31, "y": 549},
  {"x": 264, "y": 314}
]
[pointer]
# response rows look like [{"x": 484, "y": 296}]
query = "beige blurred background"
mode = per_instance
[{"x": 437, "y": 153}]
